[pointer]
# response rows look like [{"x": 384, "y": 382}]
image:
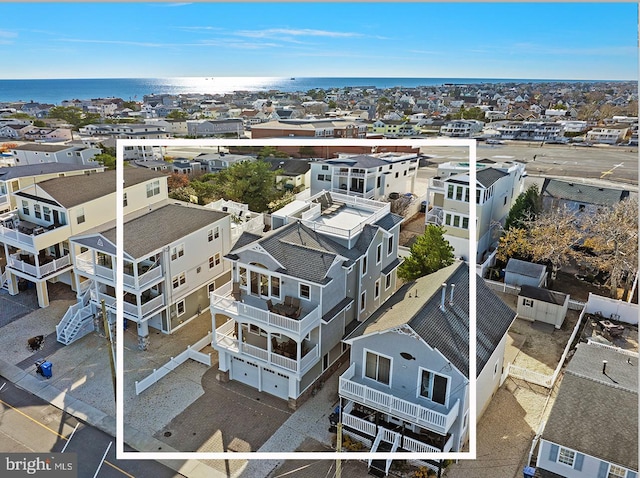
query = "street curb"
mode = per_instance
[{"x": 136, "y": 439}]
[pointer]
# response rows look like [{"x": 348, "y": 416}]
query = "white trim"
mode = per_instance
[
  {"x": 184, "y": 308},
  {"x": 364, "y": 366},
  {"x": 433, "y": 373}
]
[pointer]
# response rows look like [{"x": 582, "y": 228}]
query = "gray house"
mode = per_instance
[
  {"x": 296, "y": 291},
  {"x": 518, "y": 273},
  {"x": 578, "y": 197},
  {"x": 542, "y": 305},
  {"x": 592, "y": 430},
  {"x": 407, "y": 388}
]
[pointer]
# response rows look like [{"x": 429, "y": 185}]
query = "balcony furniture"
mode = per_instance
[
  {"x": 269, "y": 305},
  {"x": 613, "y": 329},
  {"x": 295, "y": 302},
  {"x": 288, "y": 300},
  {"x": 297, "y": 313}
]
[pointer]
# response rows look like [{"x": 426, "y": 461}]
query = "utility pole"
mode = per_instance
[
  {"x": 107, "y": 334},
  {"x": 339, "y": 442}
]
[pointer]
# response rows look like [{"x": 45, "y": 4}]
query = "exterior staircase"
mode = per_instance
[
  {"x": 386, "y": 441},
  {"x": 4, "y": 281},
  {"x": 77, "y": 321}
]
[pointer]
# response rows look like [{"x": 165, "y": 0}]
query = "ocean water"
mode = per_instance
[{"x": 57, "y": 90}]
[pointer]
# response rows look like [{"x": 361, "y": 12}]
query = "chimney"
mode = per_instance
[
  {"x": 453, "y": 286},
  {"x": 444, "y": 293},
  {"x": 604, "y": 367}
]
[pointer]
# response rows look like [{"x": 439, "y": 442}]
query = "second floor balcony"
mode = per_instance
[
  {"x": 30, "y": 236},
  {"x": 135, "y": 276},
  {"x": 150, "y": 302},
  {"x": 239, "y": 305},
  {"x": 436, "y": 418},
  {"x": 40, "y": 266}
]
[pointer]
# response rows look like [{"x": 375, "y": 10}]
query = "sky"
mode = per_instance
[{"x": 585, "y": 41}]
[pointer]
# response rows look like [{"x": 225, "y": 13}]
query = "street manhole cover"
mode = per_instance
[{"x": 167, "y": 434}]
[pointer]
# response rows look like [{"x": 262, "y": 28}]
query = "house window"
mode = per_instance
[
  {"x": 433, "y": 387},
  {"x": 305, "y": 291},
  {"x": 363, "y": 300},
  {"x": 216, "y": 232},
  {"x": 211, "y": 287},
  {"x": 456, "y": 221},
  {"x": 125, "y": 201},
  {"x": 179, "y": 280},
  {"x": 275, "y": 286},
  {"x": 47, "y": 213},
  {"x": 376, "y": 293},
  {"x": 180, "y": 308},
  {"x": 450, "y": 191},
  {"x": 325, "y": 167},
  {"x": 153, "y": 188},
  {"x": 447, "y": 219},
  {"x": 320, "y": 177},
  {"x": 616, "y": 471},
  {"x": 80, "y": 215},
  {"x": 364, "y": 265},
  {"x": 566, "y": 456},
  {"x": 378, "y": 368},
  {"x": 177, "y": 251},
  {"x": 387, "y": 281},
  {"x": 243, "y": 276},
  {"x": 25, "y": 207},
  {"x": 459, "y": 193},
  {"x": 527, "y": 302},
  {"x": 37, "y": 211},
  {"x": 477, "y": 196},
  {"x": 378, "y": 181},
  {"x": 466, "y": 194},
  {"x": 390, "y": 246},
  {"x": 465, "y": 223},
  {"x": 214, "y": 261},
  {"x": 379, "y": 254}
]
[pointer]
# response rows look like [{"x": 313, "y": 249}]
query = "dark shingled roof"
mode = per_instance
[
  {"x": 160, "y": 227},
  {"x": 360, "y": 161},
  {"x": 583, "y": 193},
  {"x": 73, "y": 190},
  {"x": 446, "y": 331},
  {"x": 544, "y": 295},
  {"x": 42, "y": 148},
  {"x": 306, "y": 254},
  {"x": 389, "y": 221},
  {"x": 597, "y": 414},
  {"x": 488, "y": 176},
  {"x": 14, "y": 172},
  {"x": 291, "y": 167},
  {"x": 525, "y": 268}
]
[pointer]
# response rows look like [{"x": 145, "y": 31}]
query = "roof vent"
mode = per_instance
[{"x": 444, "y": 293}]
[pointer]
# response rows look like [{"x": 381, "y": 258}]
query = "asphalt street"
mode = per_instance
[{"x": 29, "y": 424}]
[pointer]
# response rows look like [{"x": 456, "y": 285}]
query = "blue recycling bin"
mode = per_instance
[
  {"x": 46, "y": 369},
  {"x": 529, "y": 472}
]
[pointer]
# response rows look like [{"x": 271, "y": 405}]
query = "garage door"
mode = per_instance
[
  {"x": 275, "y": 383},
  {"x": 245, "y": 372}
]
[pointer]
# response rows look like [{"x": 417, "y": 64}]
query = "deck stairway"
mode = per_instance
[
  {"x": 386, "y": 441},
  {"x": 4, "y": 281},
  {"x": 77, "y": 321}
]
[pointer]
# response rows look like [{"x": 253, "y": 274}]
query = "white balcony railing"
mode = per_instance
[
  {"x": 144, "y": 279},
  {"x": 15, "y": 237},
  {"x": 222, "y": 302},
  {"x": 224, "y": 338},
  {"x": 128, "y": 308},
  {"x": 39, "y": 271},
  {"x": 386, "y": 402}
]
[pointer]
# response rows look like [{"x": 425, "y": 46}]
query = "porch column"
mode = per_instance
[
  {"x": 43, "y": 293},
  {"x": 299, "y": 352},
  {"x": 12, "y": 282},
  {"x": 143, "y": 335}
]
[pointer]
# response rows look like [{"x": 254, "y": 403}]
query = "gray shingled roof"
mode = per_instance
[
  {"x": 14, "y": 172},
  {"x": 160, "y": 227},
  {"x": 306, "y": 254},
  {"x": 583, "y": 193},
  {"x": 361, "y": 161},
  {"x": 446, "y": 331},
  {"x": 525, "y": 268},
  {"x": 293, "y": 167},
  {"x": 488, "y": 176},
  {"x": 73, "y": 190},
  {"x": 389, "y": 221},
  {"x": 544, "y": 295},
  {"x": 43, "y": 148},
  {"x": 597, "y": 414}
]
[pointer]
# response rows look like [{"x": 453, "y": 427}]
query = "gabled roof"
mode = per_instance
[
  {"x": 594, "y": 413},
  {"x": 293, "y": 167},
  {"x": 488, "y": 176},
  {"x": 155, "y": 229},
  {"x": 14, "y": 172},
  {"x": 389, "y": 221},
  {"x": 525, "y": 268},
  {"x": 71, "y": 191},
  {"x": 545, "y": 295},
  {"x": 584, "y": 193},
  {"x": 417, "y": 304},
  {"x": 306, "y": 254}
]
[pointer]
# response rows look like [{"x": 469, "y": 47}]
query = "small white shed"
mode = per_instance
[
  {"x": 519, "y": 273},
  {"x": 535, "y": 303}
]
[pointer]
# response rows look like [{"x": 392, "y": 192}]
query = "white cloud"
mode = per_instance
[{"x": 306, "y": 32}]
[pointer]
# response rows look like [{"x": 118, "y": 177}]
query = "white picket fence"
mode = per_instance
[
  {"x": 192, "y": 352},
  {"x": 530, "y": 376}
]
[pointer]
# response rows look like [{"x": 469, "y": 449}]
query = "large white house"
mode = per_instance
[
  {"x": 497, "y": 187},
  {"x": 36, "y": 235},
  {"x": 371, "y": 176},
  {"x": 407, "y": 388},
  {"x": 329, "y": 263},
  {"x": 172, "y": 262},
  {"x": 38, "y": 153}
]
